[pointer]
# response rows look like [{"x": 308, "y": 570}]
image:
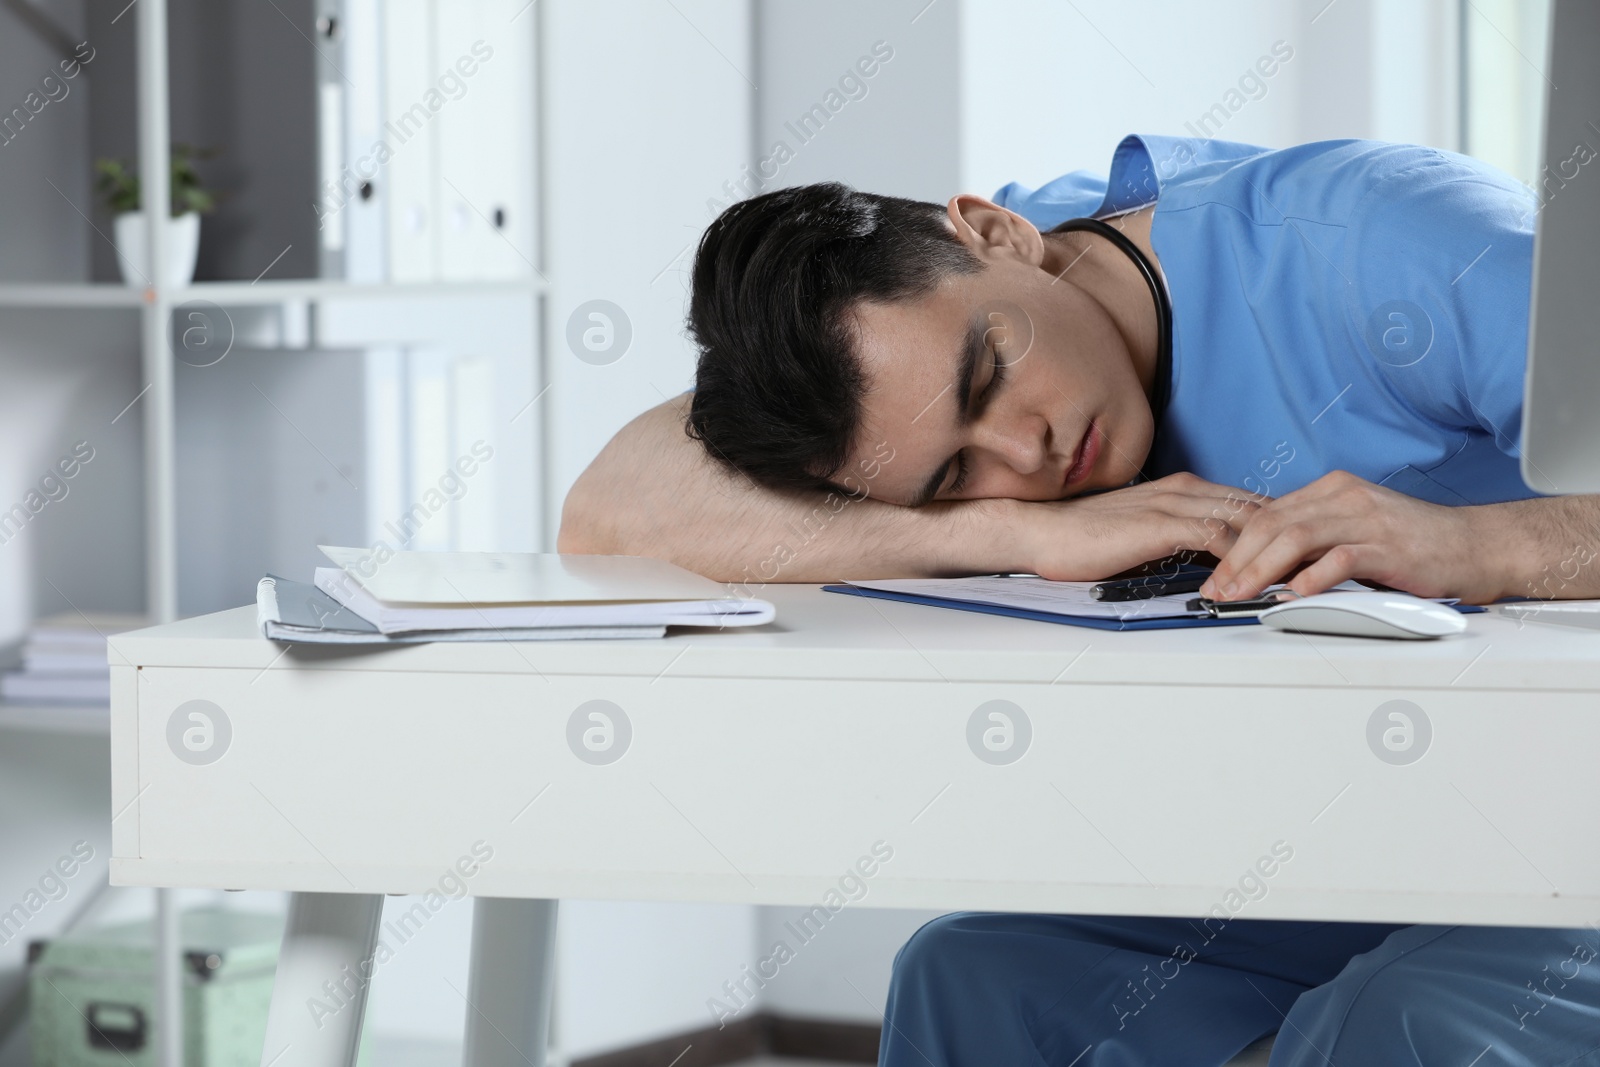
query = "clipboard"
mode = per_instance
[{"x": 1167, "y": 623}]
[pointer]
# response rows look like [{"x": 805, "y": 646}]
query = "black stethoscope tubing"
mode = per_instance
[{"x": 1161, "y": 394}]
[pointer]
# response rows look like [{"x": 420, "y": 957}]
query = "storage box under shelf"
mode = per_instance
[{"x": 92, "y": 992}]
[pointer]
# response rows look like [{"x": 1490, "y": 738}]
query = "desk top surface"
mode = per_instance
[{"x": 823, "y": 635}]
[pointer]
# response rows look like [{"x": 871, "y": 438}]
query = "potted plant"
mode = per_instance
[{"x": 190, "y": 200}]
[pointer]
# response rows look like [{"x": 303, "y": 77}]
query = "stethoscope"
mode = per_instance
[{"x": 1162, "y": 393}]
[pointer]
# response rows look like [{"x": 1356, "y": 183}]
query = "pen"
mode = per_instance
[{"x": 1150, "y": 586}]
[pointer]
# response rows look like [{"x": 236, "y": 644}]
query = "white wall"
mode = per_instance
[
  {"x": 634, "y": 972},
  {"x": 1416, "y": 78},
  {"x": 1508, "y": 54},
  {"x": 897, "y": 131},
  {"x": 647, "y": 114},
  {"x": 843, "y": 972},
  {"x": 1078, "y": 77},
  {"x": 1049, "y": 88}
]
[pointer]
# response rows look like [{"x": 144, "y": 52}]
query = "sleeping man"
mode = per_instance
[{"x": 1306, "y": 363}]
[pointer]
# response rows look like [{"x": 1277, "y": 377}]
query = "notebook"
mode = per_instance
[
  {"x": 299, "y": 612},
  {"x": 415, "y": 591},
  {"x": 519, "y": 577}
]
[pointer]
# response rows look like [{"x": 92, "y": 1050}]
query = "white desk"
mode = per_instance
[{"x": 1162, "y": 766}]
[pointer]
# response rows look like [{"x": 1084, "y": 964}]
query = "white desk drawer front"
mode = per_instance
[{"x": 730, "y": 789}]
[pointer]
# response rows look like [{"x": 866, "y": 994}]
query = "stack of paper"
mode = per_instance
[
  {"x": 493, "y": 596},
  {"x": 64, "y": 660}
]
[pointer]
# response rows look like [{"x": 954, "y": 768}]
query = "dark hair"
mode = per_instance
[{"x": 778, "y": 385}]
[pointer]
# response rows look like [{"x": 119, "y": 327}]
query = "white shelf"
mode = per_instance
[
  {"x": 239, "y": 294},
  {"x": 70, "y": 294},
  {"x": 56, "y": 718},
  {"x": 274, "y": 292}
]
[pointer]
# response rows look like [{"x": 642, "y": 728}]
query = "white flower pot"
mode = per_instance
[{"x": 183, "y": 246}]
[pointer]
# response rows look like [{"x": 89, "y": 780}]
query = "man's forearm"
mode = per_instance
[
  {"x": 654, "y": 492},
  {"x": 1553, "y": 546}
]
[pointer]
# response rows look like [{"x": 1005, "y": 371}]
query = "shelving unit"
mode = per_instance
[
  {"x": 87, "y": 295},
  {"x": 242, "y": 294},
  {"x": 88, "y": 719},
  {"x": 155, "y": 304}
]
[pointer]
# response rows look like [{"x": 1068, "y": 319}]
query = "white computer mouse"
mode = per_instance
[{"x": 1366, "y": 614}]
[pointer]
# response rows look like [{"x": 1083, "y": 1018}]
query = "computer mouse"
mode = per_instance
[{"x": 1365, "y": 614}]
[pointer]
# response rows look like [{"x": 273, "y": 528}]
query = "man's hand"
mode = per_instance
[
  {"x": 1093, "y": 537},
  {"x": 1344, "y": 527}
]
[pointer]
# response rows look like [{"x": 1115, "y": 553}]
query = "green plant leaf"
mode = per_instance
[{"x": 119, "y": 184}]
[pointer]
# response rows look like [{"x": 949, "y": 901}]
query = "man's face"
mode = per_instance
[{"x": 1052, "y": 403}]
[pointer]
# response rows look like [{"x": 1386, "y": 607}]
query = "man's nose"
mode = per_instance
[{"x": 1022, "y": 443}]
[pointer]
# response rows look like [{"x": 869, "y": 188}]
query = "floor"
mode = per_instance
[
  {"x": 1253, "y": 1057},
  {"x": 389, "y": 1052},
  {"x": 412, "y": 1053}
]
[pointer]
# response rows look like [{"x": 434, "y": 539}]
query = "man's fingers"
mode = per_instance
[
  {"x": 1218, "y": 541},
  {"x": 1153, "y": 520},
  {"x": 1293, "y": 546},
  {"x": 1184, "y": 482},
  {"x": 1269, "y": 548},
  {"x": 1202, "y": 533},
  {"x": 1242, "y": 511},
  {"x": 1139, "y": 541},
  {"x": 1226, "y": 515},
  {"x": 1339, "y": 564}
]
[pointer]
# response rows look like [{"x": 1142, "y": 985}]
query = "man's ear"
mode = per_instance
[{"x": 990, "y": 231}]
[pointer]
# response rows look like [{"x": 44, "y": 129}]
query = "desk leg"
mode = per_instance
[
  {"x": 319, "y": 994},
  {"x": 509, "y": 990}
]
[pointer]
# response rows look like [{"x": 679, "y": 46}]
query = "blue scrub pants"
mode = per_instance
[{"x": 980, "y": 989}]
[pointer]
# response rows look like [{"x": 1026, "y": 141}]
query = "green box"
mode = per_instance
[{"x": 91, "y": 993}]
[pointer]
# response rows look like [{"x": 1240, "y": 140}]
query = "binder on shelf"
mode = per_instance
[
  {"x": 486, "y": 137},
  {"x": 458, "y": 101},
  {"x": 363, "y": 180}
]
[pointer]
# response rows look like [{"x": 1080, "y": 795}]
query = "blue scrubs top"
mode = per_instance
[{"x": 1345, "y": 305}]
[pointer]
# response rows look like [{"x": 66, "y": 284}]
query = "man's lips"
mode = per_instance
[{"x": 1084, "y": 459}]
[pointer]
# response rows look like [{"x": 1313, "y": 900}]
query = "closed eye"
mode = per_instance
[{"x": 995, "y": 374}]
